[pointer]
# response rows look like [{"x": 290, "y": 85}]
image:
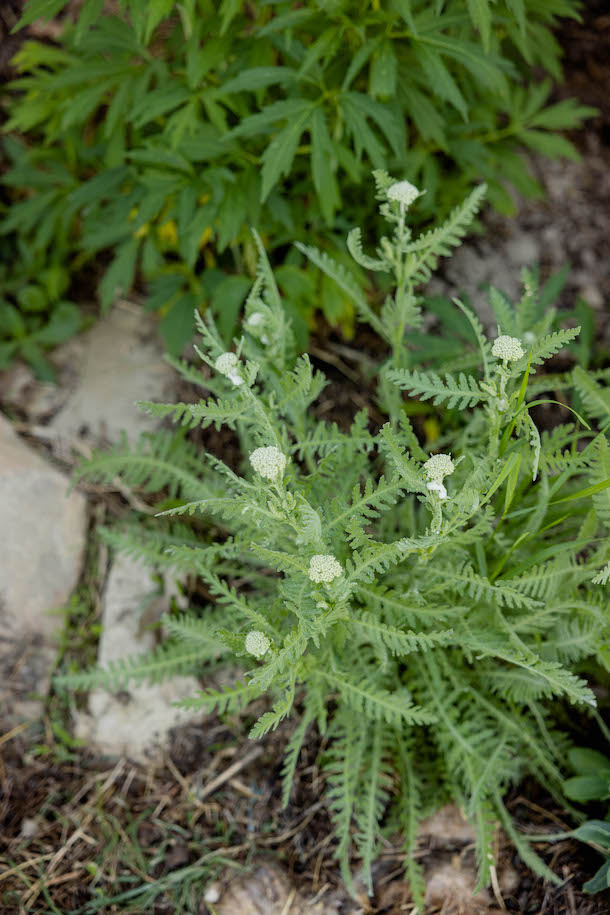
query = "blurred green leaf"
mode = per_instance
[
  {"x": 585, "y": 788},
  {"x": 32, "y": 298},
  {"x": 66, "y": 320},
  {"x": 178, "y": 325},
  {"x": 227, "y": 299}
]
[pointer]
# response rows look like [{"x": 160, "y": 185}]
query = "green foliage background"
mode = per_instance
[{"x": 150, "y": 141}]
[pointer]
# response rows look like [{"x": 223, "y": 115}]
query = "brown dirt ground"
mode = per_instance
[{"x": 55, "y": 820}]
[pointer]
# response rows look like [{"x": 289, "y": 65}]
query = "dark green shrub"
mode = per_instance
[
  {"x": 163, "y": 134},
  {"x": 35, "y": 311}
]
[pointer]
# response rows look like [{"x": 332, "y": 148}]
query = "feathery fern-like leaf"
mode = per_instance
[
  {"x": 377, "y": 703},
  {"x": 596, "y": 397},
  {"x": 228, "y": 699},
  {"x": 461, "y": 392},
  {"x": 153, "y": 667},
  {"x": 345, "y": 281},
  {"x": 603, "y": 576},
  {"x": 291, "y": 755},
  {"x": 543, "y": 349},
  {"x": 439, "y": 242},
  {"x": 373, "y": 797},
  {"x": 399, "y": 642}
]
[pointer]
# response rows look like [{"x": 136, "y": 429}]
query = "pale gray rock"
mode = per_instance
[
  {"x": 42, "y": 533},
  {"x": 447, "y": 825},
  {"x": 450, "y": 868},
  {"x": 592, "y": 296},
  {"x": 450, "y": 886},
  {"x": 135, "y": 722},
  {"x": 267, "y": 889},
  {"x": 481, "y": 263},
  {"x": 22, "y": 391},
  {"x": 118, "y": 362}
]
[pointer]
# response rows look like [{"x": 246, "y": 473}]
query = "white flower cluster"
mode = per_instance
[
  {"x": 227, "y": 364},
  {"x": 439, "y": 466},
  {"x": 404, "y": 192},
  {"x": 324, "y": 568},
  {"x": 257, "y": 643},
  {"x": 436, "y": 468},
  {"x": 508, "y": 349},
  {"x": 269, "y": 462}
]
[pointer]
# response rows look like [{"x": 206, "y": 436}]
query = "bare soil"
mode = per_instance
[{"x": 58, "y": 819}]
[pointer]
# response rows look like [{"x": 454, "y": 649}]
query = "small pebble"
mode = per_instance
[
  {"x": 212, "y": 893},
  {"x": 592, "y": 296},
  {"x": 29, "y": 828}
]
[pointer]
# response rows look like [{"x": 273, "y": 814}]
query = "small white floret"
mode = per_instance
[
  {"x": 212, "y": 893},
  {"x": 257, "y": 643},
  {"x": 404, "y": 192},
  {"x": 227, "y": 364},
  {"x": 439, "y": 488},
  {"x": 508, "y": 349},
  {"x": 438, "y": 466},
  {"x": 324, "y": 568},
  {"x": 269, "y": 462},
  {"x": 257, "y": 319}
]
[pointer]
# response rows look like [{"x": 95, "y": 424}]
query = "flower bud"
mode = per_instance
[
  {"x": 324, "y": 568},
  {"x": 269, "y": 462},
  {"x": 508, "y": 349},
  {"x": 403, "y": 192},
  {"x": 257, "y": 643},
  {"x": 227, "y": 364},
  {"x": 438, "y": 466}
]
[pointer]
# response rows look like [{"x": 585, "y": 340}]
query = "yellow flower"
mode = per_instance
[
  {"x": 167, "y": 232},
  {"x": 143, "y": 231}
]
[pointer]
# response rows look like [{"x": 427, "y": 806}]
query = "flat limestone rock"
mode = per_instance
[
  {"x": 42, "y": 536},
  {"x": 450, "y": 870},
  {"x": 451, "y": 886},
  {"x": 266, "y": 890},
  {"x": 480, "y": 263},
  {"x": 118, "y": 362},
  {"x": 136, "y": 721},
  {"x": 447, "y": 826}
]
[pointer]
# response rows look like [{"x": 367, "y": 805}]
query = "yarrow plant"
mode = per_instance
[
  {"x": 436, "y": 469},
  {"x": 420, "y": 609}
]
